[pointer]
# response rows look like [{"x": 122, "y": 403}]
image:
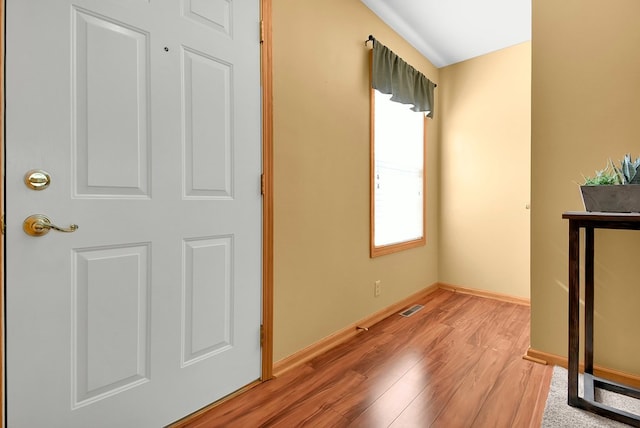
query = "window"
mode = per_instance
[{"x": 398, "y": 140}]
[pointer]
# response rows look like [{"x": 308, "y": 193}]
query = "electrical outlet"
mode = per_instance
[{"x": 377, "y": 288}]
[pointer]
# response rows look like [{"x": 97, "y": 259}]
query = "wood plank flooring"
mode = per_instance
[{"x": 456, "y": 363}]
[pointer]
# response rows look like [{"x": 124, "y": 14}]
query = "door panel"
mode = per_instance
[
  {"x": 147, "y": 116},
  {"x": 216, "y": 14},
  {"x": 207, "y": 298},
  {"x": 207, "y": 88},
  {"x": 110, "y": 107},
  {"x": 110, "y": 321}
]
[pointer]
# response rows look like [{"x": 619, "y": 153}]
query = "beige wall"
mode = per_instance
[
  {"x": 585, "y": 109},
  {"x": 485, "y": 172},
  {"x": 323, "y": 276}
]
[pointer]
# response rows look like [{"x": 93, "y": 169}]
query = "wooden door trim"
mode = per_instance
[
  {"x": 2, "y": 266},
  {"x": 267, "y": 198}
]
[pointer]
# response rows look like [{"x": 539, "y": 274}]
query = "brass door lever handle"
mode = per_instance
[{"x": 38, "y": 225}]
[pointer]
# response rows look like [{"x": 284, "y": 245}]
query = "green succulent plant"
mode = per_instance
[
  {"x": 628, "y": 172},
  {"x": 603, "y": 177}
]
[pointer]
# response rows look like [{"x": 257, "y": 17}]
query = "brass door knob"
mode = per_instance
[{"x": 38, "y": 225}]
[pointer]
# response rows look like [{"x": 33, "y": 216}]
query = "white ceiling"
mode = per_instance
[{"x": 450, "y": 31}]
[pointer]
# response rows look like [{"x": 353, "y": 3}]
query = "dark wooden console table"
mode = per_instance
[{"x": 590, "y": 221}]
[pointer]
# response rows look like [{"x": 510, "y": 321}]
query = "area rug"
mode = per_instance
[{"x": 557, "y": 413}]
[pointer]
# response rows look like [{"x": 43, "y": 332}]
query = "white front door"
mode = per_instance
[{"x": 146, "y": 115}]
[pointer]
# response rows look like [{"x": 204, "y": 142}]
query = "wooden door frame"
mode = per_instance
[
  {"x": 2, "y": 216},
  {"x": 266, "y": 76}
]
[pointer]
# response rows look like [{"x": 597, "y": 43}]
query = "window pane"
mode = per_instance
[{"x": 398, "y": 167}]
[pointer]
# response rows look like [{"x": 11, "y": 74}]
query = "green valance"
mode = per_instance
[{"x": 392, "y": 75}]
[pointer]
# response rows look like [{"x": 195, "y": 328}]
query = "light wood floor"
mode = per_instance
[{"x": 456, "y": 363}]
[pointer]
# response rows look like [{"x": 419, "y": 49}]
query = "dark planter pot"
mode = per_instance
[{"x": 615, "y": 198}]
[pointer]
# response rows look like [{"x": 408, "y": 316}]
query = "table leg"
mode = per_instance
[
  {"x": 574, "y": 311},
  {"x": 588, "y": 300}
]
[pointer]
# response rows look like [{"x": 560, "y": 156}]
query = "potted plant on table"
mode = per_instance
[{"x": 614, "y": 189}]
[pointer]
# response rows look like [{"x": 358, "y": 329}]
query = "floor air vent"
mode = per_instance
[{"x": 412, "y": 310}]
